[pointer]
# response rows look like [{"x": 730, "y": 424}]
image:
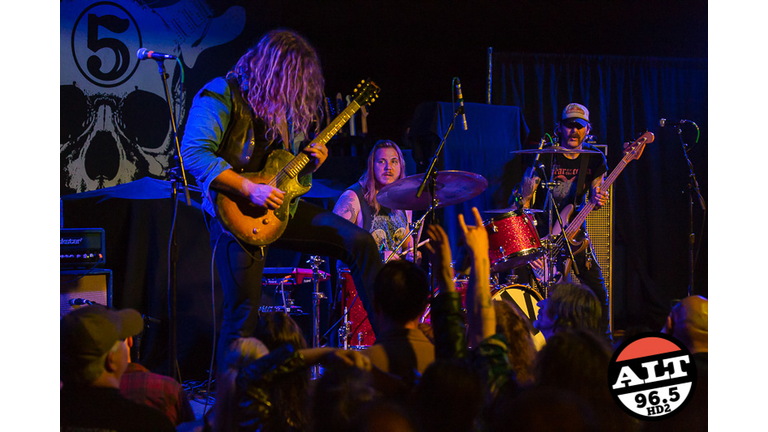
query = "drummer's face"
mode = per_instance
[
  {"x": 572, "y": 133},
  {"x": 386, "y": 166}
]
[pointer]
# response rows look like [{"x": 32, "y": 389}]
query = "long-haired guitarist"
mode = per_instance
[
  {"x": 358, "y": 204},
  {"x": 576, "y": 175},
  {"x": 270, "y": 100}
]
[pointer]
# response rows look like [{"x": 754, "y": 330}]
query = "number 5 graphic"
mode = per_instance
[{"x": 121, "y": 53}]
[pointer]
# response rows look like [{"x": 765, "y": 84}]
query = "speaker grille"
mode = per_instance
[
  {"x": 95, "y": 286},
  {"x": 600, "y": 229}
]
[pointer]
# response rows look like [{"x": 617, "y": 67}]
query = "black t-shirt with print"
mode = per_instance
[{"x": 566, "y": 173}]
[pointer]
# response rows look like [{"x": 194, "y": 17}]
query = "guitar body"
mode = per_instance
[
  {"x": 259, "y": 226},
  {"x": 562, "y": 259},
  {"x": 566, "y": 215},
  {"x": 256, "y": 225}
]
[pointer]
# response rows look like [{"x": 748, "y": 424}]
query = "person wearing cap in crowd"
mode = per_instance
[
  {"x": 577, "y": 175},
  {"x": 93, "y": 357},
  {"x": 155, "y": 390}
]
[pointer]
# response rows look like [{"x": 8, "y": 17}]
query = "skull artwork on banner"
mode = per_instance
[{"x": 114, "y": 115}]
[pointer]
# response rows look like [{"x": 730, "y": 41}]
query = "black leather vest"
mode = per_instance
[{"x": 244, "y": 145}]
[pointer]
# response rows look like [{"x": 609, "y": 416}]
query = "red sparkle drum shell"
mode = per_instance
[
  {"x": 527, "y": 300},
  {"x": 512, "y": 241},
  {"x": 360, "y": 330},
  {"x": 461, "y": 287}
]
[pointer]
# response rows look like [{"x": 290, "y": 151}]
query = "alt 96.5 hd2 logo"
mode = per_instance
[{"x": 652, "y": 376}]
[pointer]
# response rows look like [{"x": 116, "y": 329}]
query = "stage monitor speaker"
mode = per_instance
[
  {"x": 92, "y": 286},
  {"x": 600, "y": 229}
]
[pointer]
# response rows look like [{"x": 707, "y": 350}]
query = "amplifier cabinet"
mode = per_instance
[{"x": 94, "y": 286}]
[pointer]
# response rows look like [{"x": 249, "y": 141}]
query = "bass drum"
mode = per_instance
[{"x": 527, "y": 300}]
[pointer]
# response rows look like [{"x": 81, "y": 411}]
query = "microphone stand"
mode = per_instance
[
  {"x": 430, "y": 179},
  {"x": 553, "y": 208},
  {"x": 693, "y": 186},
  {"x": 431, "y": 175},
  {"x": 177, "y": 175},
  {"x": 317, "y": 295}
]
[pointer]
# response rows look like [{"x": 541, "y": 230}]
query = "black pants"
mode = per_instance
[
  {"x": 591, "y": 277},
  {"x": 312, "y": 230}
]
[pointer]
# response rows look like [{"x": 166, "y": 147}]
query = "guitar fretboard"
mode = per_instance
[{"x": 292, "y": 169}]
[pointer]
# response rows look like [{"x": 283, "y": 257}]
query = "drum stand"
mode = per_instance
[
  {"x": 551, "y": 251},
  {"x": 314, "y": 262},
  {"x": 414, "y": 232}
]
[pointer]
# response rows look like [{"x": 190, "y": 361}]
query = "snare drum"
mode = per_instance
[
  {"x": 360, "y": 331},
  {"x": 513, "y": 241},
  {"x": 527, "y": 300}
]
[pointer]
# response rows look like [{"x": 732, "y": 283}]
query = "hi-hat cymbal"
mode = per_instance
[
  {"x": 553, "y": 150},
  {"x": 511, "y": 209},
  {"x": 451, "y": 187}
]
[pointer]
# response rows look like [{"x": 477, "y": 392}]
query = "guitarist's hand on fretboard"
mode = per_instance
[
  {"x": 599, "y": 197},
  {"x": 317, "y": 153},
  {"x": 263, "y": 195}
]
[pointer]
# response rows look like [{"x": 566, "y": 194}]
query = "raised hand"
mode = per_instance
[
  {"x": 475, "y": 236},
  {"x": 438, "y": 252},
  {"x": 348, "y": 358},
  {"x": 481, "y": 318}
]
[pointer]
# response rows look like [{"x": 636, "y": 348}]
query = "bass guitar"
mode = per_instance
[
  {"x": 632, "y": 151},
  {"x": 260, "y": 226}
]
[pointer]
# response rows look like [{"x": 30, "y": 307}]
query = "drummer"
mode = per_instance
[
  {"x": 358, "y": 203},
  {"x": 576, "y": 175}
]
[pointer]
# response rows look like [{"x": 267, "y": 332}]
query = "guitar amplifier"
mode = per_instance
[
  {"x": 81, "y": 248},
  {"x": 83, "y": 287}
]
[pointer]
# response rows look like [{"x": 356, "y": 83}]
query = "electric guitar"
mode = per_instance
[
  {"x": 260, "y": 226},
  {"x": 633, "y": 151}
]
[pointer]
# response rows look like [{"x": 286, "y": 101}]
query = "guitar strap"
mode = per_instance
[{"x": 582, "y": 178}]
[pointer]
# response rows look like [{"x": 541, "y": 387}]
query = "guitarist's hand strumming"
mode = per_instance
[{"x": 263, "y": 195}]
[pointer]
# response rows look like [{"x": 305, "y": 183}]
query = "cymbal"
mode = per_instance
[
  {"x": 452, "y": 187},
  {"x": 553, "y": 150},
  {"x": 511, "y": 209}
]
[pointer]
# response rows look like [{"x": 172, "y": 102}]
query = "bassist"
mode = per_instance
[{"x": 577, "y": 175}]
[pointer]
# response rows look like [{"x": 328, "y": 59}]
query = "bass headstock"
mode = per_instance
[{"x": 635, "y": 149}]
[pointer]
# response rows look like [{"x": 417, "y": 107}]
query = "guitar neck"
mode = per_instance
[
  {"x": 294, "y": 167},
  {"x": 578, "y": 221}
]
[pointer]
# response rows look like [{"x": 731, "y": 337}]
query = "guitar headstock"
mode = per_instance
[
  {"x": 635, "y": 149},
  {"x": 366, "y": 93}
]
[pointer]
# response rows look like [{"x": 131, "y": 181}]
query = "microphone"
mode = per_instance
[
  {"x": 461, "y": 102},
  {"x": 144, "y": 54},
  {"x": 81, "y": 302},
  {"x": 664, "y": 122}
]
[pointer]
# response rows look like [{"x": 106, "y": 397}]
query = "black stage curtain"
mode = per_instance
[
  {"x": 492, "y": 132},
  {"x": 627, "y": 96}
]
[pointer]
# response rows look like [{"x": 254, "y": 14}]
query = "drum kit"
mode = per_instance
[{"x": 512, "y": 238}]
